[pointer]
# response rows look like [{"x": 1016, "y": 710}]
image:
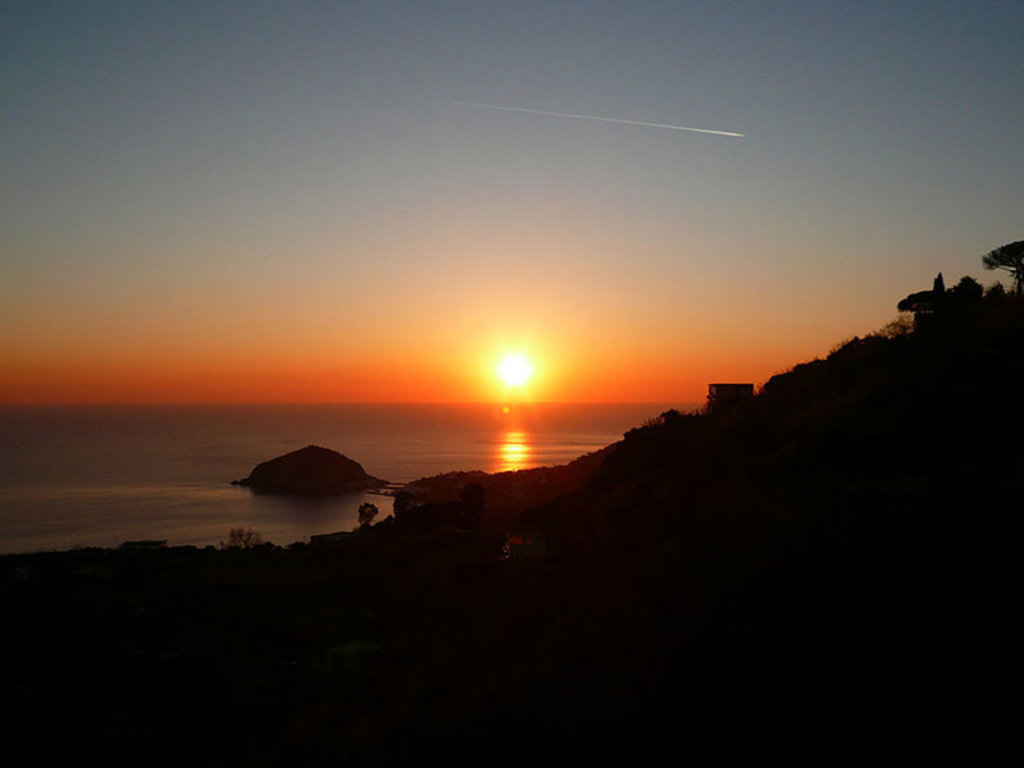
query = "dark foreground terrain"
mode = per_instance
[{"x": 828, "y": 570}]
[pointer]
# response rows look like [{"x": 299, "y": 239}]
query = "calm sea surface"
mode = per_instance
[{"x": 100, "y": 475}]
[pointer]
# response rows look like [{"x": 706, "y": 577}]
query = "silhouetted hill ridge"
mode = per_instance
[
  {"x": 917, "y": 401},
  {"x": 838, "y": 550},
  {"x": 825, "y": 570}
]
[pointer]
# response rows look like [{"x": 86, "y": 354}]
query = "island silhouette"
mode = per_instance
[
  {"x": 310, "y": 471},
  {"x": 822, "y": 570}
]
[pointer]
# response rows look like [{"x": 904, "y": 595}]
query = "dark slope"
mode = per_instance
[
  {"x": 833, "y": 564},
  {"x": 827, "y": 571}
]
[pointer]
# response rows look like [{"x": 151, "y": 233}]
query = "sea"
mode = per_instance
[{"x": 98, "y": 476}]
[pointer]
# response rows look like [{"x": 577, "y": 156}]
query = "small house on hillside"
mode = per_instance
[{"x": 721, "y": 396}]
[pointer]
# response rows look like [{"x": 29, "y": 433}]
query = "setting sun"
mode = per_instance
[{"x": 514, "y": 370}]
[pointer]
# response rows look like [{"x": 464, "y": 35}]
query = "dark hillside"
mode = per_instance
[
  {"x": 826, "y": 570},
  {"x": 841, "y": 549}
]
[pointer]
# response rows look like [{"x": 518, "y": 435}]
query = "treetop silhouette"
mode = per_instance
[{"x": 1010, "y": 258}]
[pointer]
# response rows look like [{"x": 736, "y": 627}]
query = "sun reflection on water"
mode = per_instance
[{"x": 515, "y": 451}]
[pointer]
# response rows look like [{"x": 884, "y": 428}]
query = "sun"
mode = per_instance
[{"x": 515, "y": 370}]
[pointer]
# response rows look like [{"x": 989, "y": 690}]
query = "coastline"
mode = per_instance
[{"x": 99, "y": 476}]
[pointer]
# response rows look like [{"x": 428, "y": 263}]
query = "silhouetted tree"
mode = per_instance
[
  {"x": 967, "y": 291},
  {"x": 367, "y": 512},
  {"x": 920, "y": 300},
  {"x": 995, "y": 294},
  {"x": 402, "y": 504},
  {"x": 1010, "y": 258},
  {"x": 897, "y": 328},
  {"x": 667, "y": 417},
  {"x": 242, "y": 538}
]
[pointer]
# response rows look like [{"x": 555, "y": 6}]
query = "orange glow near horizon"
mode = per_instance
[
  {"x": 556, "y": 334},
  {"x": 589, "y": 374},
  {"x": 564, "y": 361}
]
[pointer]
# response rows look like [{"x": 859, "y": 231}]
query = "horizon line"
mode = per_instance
[{"x": 167, "y": 403}]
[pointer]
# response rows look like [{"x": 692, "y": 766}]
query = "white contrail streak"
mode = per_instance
[{"x": 595, "y": 117}]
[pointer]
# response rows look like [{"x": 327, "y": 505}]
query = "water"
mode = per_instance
[{"x": 99, "y": 475}]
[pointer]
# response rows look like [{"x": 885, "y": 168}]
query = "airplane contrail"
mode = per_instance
[{"x": 594, "y": 117}]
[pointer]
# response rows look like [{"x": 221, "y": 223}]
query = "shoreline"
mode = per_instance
[{"x": 156, "y": 473}]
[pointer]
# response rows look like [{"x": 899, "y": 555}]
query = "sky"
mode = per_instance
[{"x": 303, "y": 201}]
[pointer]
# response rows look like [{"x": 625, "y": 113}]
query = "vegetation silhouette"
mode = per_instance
[
  {"x": 367, "y": 513},
  {"x": 825, "y": 570},
  {"x": 242, "y": 538},
  {"x": 924, "y": 299},
  {"x": 1010, "y": 258}
]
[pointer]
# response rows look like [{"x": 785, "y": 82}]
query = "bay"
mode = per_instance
[{"x": 77, "y": 476}]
